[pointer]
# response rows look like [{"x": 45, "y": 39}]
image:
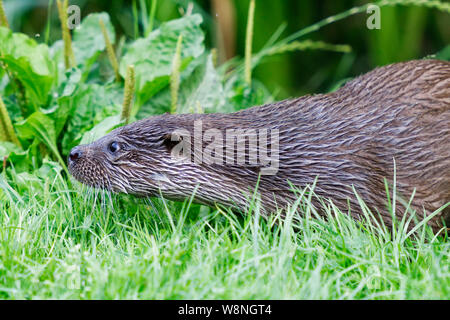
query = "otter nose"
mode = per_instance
[{"x": 75, "y": 154}]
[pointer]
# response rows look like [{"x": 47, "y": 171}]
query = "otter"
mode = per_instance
[{"x": 390, "y": 123}]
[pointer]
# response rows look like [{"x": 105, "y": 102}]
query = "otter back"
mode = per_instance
[{"x": 395, "y": 117}]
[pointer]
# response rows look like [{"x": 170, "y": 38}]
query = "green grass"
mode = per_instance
[{"x": 60, "y": 243}]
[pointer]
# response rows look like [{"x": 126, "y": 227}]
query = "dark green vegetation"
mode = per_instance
[{"x": 59, "y": 240}]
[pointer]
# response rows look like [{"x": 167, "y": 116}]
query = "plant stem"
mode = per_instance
[
  {"x": 214, "y": 57},
  {"x": 19, "y": 88},
  {"x": 144, "y": 15},
  {"x": 152, "y": 16},
  {"x": 363, "y": 8},
  {"x": 175, "y": 76},
  {"x": 3, "y": 18},
  {"x": 309, "y": 45},
  {"x": 135, "y": 20},
  {"x": 248, "y": 43},
  {"x": 48, "y": 26},
  {"x": 69, "y": 57},
  {"x": 128, "y": 94},
  {"x": 7, "y": 132},
  {"x": 109, "y": 49},
  {"x": 273, "y": 46}
]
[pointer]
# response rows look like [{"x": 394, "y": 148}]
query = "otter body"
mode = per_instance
[{"x": 397, "y": 116}]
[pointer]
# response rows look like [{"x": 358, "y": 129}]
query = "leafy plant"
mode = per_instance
[{"x": 59, "y": 96}]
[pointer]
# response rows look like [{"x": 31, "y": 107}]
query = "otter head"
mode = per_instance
[
  {"x": 157, "y": 156},
  {"x": 133, "y": 159}
]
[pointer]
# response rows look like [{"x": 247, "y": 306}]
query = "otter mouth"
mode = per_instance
[
  {"x": 93, "y": 170},
  {"x": 87, "y": 179},
  {"x": 87, "y": 170}
]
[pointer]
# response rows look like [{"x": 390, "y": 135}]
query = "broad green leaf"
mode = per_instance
[
  {"x": 200, "y": 85},
  {"x": 6, "y": 148},
  {"x": 56, "y": 52},
  {"x": 29, "y": 62},
  {"x": 37, "y": 125},
  {"x": 158, "y": 104},
  {"x": 7, "y": 132},
  {"x": 152, "y": 56},
  {"x": 49, "y": 170},
  {"x": 71, "y": 82},
  {"x": 101, "y": 129},
  {"x": 82, "y": 112},
  {"x": 241, "y": 96},
  {"x": 23, "y": 160},
  {"x": 202, "y": 89},
  {"x": 13, "y": 108},
  {"x": 41, "y": 127},
  {"x": 88, "y": 105},
  {"x": 63, "y": 108},
  {"x": 88, "y": 41}
]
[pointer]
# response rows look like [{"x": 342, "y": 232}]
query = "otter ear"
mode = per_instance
[
  {"x": 178, "y": 145},
  {"x": 170, "y": 140},
  {"x": 177, "y": 141}
]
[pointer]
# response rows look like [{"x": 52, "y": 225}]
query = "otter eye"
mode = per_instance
[{"x": 114, "y": 146}]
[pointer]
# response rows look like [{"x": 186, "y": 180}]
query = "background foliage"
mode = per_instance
[{"x": 407, "y": 32}]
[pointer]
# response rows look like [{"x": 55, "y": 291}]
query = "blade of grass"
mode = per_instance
[
  {"x": 48, "y": 24},
  {"x": 175, "y": 76},
  {"x": 248, "y": 43}
]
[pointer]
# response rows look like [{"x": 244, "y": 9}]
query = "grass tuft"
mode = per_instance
[{"x": 64, "y": 243}]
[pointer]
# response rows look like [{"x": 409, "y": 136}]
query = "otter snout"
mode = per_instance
[
  {"x": 96, "y": 164},
  {"x": 75, "y": 160},
  {"x": 79, "y": 163},
  {"x": 75, "y": 154}
]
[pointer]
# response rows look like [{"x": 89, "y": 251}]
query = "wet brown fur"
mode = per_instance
[{"x": 348, "y": 137}]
